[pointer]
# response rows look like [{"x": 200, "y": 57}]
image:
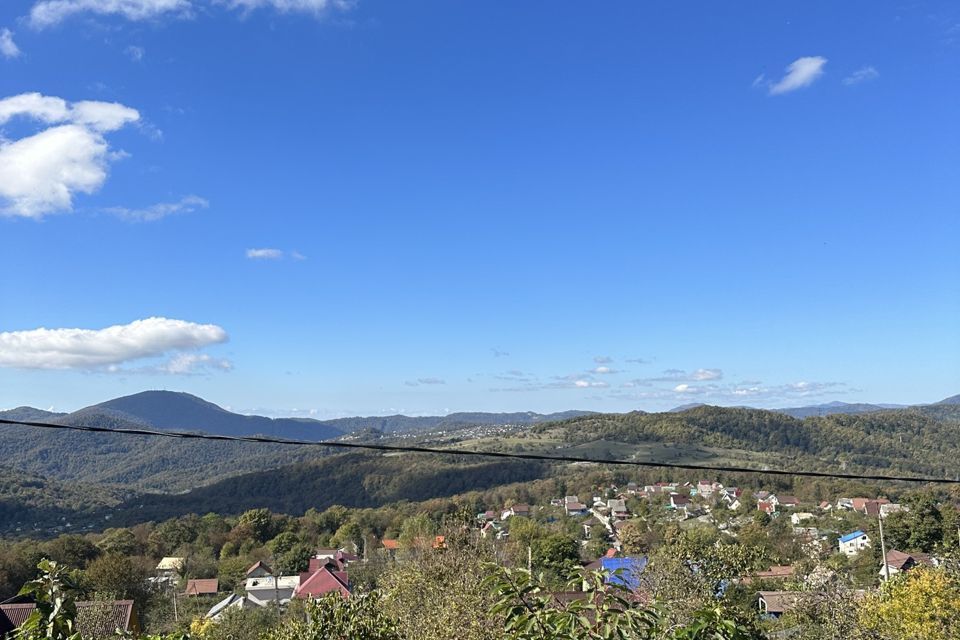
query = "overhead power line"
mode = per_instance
[{"x": 475, "y": 453}]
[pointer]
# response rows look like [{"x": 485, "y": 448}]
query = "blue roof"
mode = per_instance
[
  {"x": 852, "y": 536},
  {"x": 629, "y": 571}
]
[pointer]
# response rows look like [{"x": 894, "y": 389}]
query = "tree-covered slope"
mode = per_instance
[
  {"x": 354, "y": 480},
  {"x": 916, "y": 440}
]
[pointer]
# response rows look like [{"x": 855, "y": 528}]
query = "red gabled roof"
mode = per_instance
[
  {"x": 202, "y": 586},
  {"x": 322, "y": 582},
  {"x": 390, "y": 544}
]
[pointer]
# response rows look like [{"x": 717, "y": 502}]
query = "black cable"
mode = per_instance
[{"x": 470, "y": 452}]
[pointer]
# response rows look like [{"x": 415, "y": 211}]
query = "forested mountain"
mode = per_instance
[
  {"x": 27, "y": 501},
  {"x": 28, "y": 413},
  {"x": 831, "y": 408},
  {"x": 137, "y": 462},
  {"x": 407, "y": 424},
  {"x": 913, "y": 440},
  {"x": 353, "y": 480},
  {"x": 184, "y": 412},
  {"x": 231, "y": 476}
]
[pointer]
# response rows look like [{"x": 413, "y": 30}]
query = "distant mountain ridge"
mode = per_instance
[
  {"x": 831, "y": 408},
  {"x": 180, "y": 411},
  {"x": 406, "y": 424}
]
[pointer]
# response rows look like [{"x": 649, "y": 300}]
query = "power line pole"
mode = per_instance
[{"x": 883, "y": 550}]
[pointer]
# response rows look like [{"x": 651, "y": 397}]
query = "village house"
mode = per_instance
[
  {"x": 618, "y": 509},
  {"x": 800, "y": 516},
  {"x": 777, "y": 603},
  {"x": 324, "y": 575},
  {"x": 520, "y": 510},
  {"x": 202, "y": 587},
  {"x": 767, "y": 506},
  {"x": 776, "y": 572},
  {"x": 891, "y": 507},
  {"x": 898, "y": 561},
  {"x": 705, "y": 488},
  {"x": 392, "y": 544},
  {"x": 589, "y": 524},
  {"x": 868, "y": 506},
  {"x": 845, "y": 503},
  {"x": 679, "y": 501},
  {"x": 96, "y": 619},
  {"x": 787, "y": 502},
  {"x": 853, "y": 543}
]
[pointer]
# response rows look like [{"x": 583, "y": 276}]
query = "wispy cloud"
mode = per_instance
[
  {"x": 800, "y": 73},
  {"x": 603, "y": 370},
  {"x": 107, "y": 349},
  {"x": 424, "y": 381},
  {"x": 135, "y": 53},
  {"x": 51, "y": 12},
  {"x": 8, "y": 48},
  {"x": 264, "y": 254},
  {"x": 48, "y": 13},
  {"x": 864, "y": 74},
  {"x": 602, "y": 359},
  {"x": 187, "y": 204},
  {"x": 497, "y": 353},
  {"x": 681, "y": 375},
  {"x": 41, "y": 173}
]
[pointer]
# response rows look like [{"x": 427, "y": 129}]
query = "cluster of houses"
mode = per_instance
[
  {"x": 776, "y": 603},
  {"x": 327, "y": 573}
]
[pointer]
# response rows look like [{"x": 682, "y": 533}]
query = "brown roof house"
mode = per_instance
[
  {"x": 96, "y": 619},
  {"x": 898, "y": 562},
  {"x": 777, "y": 603},
  {"x": 202, "y": 587}
]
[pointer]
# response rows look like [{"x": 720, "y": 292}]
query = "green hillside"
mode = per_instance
[{"x": 353, "y": 480}]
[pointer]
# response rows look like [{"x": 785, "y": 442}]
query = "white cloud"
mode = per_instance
[
  {"x": 135, "y": 53},
  {"x": 603, "y": 370},
  {"x": 602, "y": 359},
  {"x": 8, "y": 48},
  {"x": 707, "y": 374},
  {"x": 590, "y": 384},
  {"x": 801, "y": 73},
  {"x": 47, "y": 13},
  {"x": 187, "y": 204},
  {"x": 315, "y": 7},
  {"x": 864, "y": 74},
  {"x": 106, "y": 349},
  {"x": 264, "y": 254},
  {"x": 40, "y": 173},
  {"x": 420, "y": 381},
  {"x": 192, "y": 363},
  {"x": 50, "y": 12},
  {"x": 682, "y": 388},
  {"x": 274, "y": 254}
]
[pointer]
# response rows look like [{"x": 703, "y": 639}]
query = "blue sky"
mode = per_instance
[{"x": 335, "y": 208}]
